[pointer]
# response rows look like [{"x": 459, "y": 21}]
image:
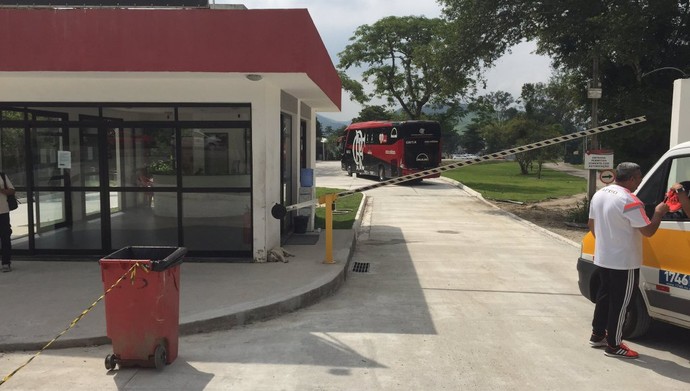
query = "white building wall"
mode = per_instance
[
  {"x": 266, "y": 178},
  {"x": 680, "y": 112}
]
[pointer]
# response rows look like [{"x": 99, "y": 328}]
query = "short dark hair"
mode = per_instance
[{"x": 626, "y": 170}]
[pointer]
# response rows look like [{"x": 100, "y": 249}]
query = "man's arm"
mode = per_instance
[
  {"x": 659, "y": 212},
  {"x": 590, "y": 224}
]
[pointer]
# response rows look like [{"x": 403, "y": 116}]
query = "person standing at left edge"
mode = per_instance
[{"x": 6, "y": 189}]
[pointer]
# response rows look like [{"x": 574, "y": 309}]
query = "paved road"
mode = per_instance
[
  {"x": 569, "y": 169},
  {"x": 459, "y": 296}
]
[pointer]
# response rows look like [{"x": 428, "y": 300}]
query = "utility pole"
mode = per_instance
[{"x": 594, "y": 93}]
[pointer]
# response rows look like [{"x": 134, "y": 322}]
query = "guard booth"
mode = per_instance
[{"x": 119, "y": 128}]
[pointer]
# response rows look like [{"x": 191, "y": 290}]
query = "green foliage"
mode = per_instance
[
  {"x": 345, "y": 209},
  {"x": 523, "y": 131},
  {"x": 402, "y": 60},
  {"x": 162, "y": 167},
  {"x": 627, "y": 38},
  {"x": 471, "y": 140},
  {"x": 373, "y": 113},
  {"x": 503, "y": 181},
  {"x": 580, "y": 214}
]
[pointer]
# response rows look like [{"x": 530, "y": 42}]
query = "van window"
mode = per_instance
[
  {"x": 653, "y": 190},
  {"x": 679, "y": 172},
  {"x": 672, "y": 171}
]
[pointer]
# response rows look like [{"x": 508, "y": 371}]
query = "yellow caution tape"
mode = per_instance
[{"x": 131, "y": 272}]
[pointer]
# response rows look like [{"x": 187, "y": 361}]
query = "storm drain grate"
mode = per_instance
[{"x": 360, "y": 267}]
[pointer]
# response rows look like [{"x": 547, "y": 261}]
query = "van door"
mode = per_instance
[{"x": 665, "y": 274}]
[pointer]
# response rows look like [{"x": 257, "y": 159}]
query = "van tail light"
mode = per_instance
[{"x": 663, "y": 288}]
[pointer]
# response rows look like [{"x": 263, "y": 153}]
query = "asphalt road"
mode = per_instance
[{"x": 459, "y": 296}]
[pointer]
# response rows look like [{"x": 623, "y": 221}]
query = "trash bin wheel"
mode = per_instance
[
  {"x": 110, "y": 362},
  {"x": 160, "y": 356}
]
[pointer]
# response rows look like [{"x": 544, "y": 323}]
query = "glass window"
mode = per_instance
[
  {"x": 90, "y": 164},
  {"x": 62, "y": 221},
  {"x": 141, "y": 157},
  {"x": 13, "y": 155},
  {"x": 231, "y": 113},
  {"x": 47, "y": 142},
  {"x": 85, "y": 169},
  {"x": 216, "y": 157},
  {"x": 679, "y": 172},
  {"x": 140, "y": 113},
  {"x": 145, "y": 224},
  {"x": 217, "y": 221}
]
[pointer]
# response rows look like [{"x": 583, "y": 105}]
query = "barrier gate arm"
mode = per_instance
[{"x": 279, "y": 211}]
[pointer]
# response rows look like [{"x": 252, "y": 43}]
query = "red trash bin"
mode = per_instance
[{"x": 143, "y": 313}]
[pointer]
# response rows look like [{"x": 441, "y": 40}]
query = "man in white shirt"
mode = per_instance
[{"x": 617, "y": 219}]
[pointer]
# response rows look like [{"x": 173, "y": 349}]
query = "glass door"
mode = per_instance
[{"x": 52, "y": 200}]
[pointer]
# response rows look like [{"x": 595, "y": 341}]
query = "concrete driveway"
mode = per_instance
[{"x": 458, "y": 295}]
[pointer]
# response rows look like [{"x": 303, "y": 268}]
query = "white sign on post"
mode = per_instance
[{"x": 599, "y": 159}]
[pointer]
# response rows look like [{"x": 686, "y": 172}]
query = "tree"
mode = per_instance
[
  {"x": 628, "y": 39},
  {"x": 373, "y": 113},
  {"x": 471, "y": 140},
  {"x": 491, "y": 113},
  {"x": 402, "y": 57},
  {"x": 557, "y": 103}
]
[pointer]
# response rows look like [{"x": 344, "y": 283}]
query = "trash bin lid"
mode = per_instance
[{"x": 161, "y": 257}]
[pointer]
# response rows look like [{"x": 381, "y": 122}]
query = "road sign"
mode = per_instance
[
  {"x": 607, "y": 176},
  {"x": 599, "y": 159}
]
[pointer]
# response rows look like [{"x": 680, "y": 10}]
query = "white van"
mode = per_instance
[{"x": 664, "y": 290}]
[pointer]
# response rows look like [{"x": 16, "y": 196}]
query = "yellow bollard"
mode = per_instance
[{"x": 329, "y": 199}]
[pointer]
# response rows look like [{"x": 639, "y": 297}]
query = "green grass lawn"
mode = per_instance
[
  {"x": 503, "y": 181},
  {"x": 345, "y": 209}
]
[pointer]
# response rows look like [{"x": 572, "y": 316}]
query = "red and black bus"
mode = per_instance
[{"x": 391, "y": 149}]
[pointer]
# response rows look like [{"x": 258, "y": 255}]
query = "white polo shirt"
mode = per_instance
[
  {"x": 617, "y": 213},
  {"x": 4, "y": 208}
]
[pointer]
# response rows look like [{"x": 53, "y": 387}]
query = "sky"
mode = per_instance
[{"x": 336, "y": 21}]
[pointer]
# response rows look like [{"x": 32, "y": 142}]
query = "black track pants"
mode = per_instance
[
  {"x": 616, "y": 290},
  {"x": 5, "y": 238}
]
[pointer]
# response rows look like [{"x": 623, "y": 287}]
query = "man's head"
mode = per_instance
[{"x": 628, "y": 175}]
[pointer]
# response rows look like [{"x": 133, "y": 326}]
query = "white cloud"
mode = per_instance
[{"x": 336, "y": 21}]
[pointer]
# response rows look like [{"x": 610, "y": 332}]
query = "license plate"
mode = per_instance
[{"x": 676, "y": 280}]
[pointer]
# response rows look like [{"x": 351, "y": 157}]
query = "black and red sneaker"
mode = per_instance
[
  {"x": 621, "y": 351},
  {"x": 597, "y": 341}
]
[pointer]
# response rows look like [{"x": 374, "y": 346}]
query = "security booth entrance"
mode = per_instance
[{"x": 93, "y": 178}]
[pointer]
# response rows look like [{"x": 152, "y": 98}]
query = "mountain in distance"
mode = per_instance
[{"x": 333, "y": 124}]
